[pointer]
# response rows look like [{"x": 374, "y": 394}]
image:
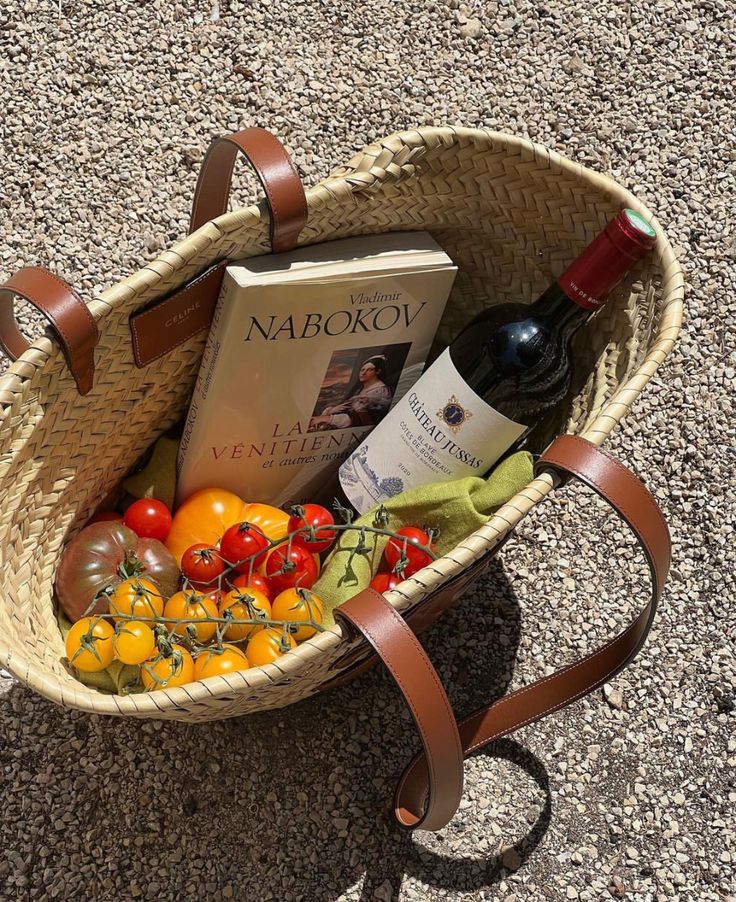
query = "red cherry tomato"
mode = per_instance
[
  {"x": 382, "y": 582},
  {"x": 291, "y": 567},
  {"x": 253, "y": 580},
  {"x": 104, "y": 517},
  {"x": 309, "y": 517},
  {"x": 416, "y": 558},
  {"x": 244, "y": 546},
  {"x": 201, "y": 564},
  {"x": 149, "y": 519}
]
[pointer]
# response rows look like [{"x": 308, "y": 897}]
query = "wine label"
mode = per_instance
[{"x": 441, "y": 429}]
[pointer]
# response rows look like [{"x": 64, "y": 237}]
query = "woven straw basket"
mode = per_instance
[{"x": 511, "y": 215}]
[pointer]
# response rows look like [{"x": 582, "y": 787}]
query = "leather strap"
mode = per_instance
[
  {"x": 277, "y": 173},
  {"x": 567, "y": 456},
  {"x": 69, "y": 316},
  {"x": 178, "y": 317},
  {"x": 170, "y": 321},
  {"x": 408, "y": 664}
]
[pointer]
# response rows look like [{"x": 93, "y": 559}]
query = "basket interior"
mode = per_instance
[{"x": 509, "y": 218}]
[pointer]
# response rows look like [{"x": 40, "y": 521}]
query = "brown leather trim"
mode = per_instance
[
  {"x": 173, "y": 320},
  {"x": 417, "y": 679},
  {"x": 567, "y": 456},
  {"x": 573, "y": 456},
  {"x": 169, "y": 322},
  {"x": 70, "y": 318},
  {"x": 277, "y": 173}
]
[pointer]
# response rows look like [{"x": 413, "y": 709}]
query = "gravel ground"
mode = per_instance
[{"x": 107, "y": 109}]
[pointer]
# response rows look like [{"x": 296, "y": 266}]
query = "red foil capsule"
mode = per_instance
[{"x": 592, "y": 276}]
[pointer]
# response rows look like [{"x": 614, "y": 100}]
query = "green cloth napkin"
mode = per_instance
[{"x": 457, "y": 508}]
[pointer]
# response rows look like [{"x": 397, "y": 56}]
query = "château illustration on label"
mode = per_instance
[{"x": 506, "y": 369}]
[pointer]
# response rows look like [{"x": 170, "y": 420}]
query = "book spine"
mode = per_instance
[{"x": 204, "y": 379}]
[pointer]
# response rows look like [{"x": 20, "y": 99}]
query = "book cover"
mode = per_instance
[{"x": 307, "y": 352}]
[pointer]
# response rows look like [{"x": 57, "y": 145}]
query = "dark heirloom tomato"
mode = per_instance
[{"x": 100, "y": 557}]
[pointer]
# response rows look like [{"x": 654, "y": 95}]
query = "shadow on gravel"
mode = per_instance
[
  {"x": 469, "y": 872},
  {"x": 288, "y": 805}
]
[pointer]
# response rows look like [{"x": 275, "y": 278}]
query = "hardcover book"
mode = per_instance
[{"x": 308, "y": 350}]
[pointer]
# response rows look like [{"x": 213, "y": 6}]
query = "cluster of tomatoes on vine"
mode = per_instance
[
  {"x": 243, "y": 547},
  {"x": 248, "y": 589}
]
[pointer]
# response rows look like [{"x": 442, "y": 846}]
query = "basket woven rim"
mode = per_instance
[{"x": 377, "y": 162}]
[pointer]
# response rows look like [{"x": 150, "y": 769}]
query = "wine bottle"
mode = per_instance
[{"x": 504, "y": 371}]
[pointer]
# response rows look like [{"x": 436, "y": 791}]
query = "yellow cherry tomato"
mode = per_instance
[
  {"x": 136, "y": 598},
  {"x": 244, "y": 604},
  {"x": 164, "y": 672},
  {"x": 134, "y": 642},
  {"x": 89, "y": 644},
  {"x": 299, "y": 605},
  {"x": 266, "y": 646},
  {"x": 192, "y": 606},
  {"x": 216, "y": 661}
]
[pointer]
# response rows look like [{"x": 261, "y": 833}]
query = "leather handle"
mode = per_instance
[
  {"x": 276, "y": 171},
  {"x": 69, "y": 316},
  {"x": 568, "y": 456},
  {"x": 408, "y": 664},
  {"x": 172, "y": 320}
]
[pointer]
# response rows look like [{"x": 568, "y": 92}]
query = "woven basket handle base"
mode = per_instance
[{"x": 430, "y": 788}]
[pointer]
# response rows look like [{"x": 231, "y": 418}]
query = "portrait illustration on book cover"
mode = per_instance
[{"x": 358, "y": 387}]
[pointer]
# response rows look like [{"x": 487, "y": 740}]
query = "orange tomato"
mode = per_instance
[
  {"x": 160, "y": 672},
  {"x": 134, "y": 642},
  {"x": 244, "y": 604},
  {"x": 216, "y": 661},
  {"x": 136, "y": 597},
  {"x": 266, "y": 646},
  {"x": 206, "y": 515},
  {"x": 297, "y": 606},
  {"x": 272, "y": 521},
  {"x": 203, "y": 517},
  {"x": 89, "y": 644},
  {"x": 194, "y": 607}
]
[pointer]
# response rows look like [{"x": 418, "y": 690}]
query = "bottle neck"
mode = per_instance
[
  {"x": 564, "y": 315},
  {"x": 592, "y": 276}
]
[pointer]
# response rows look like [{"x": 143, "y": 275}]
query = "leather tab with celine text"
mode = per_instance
[{"x": 171, "y": 321}]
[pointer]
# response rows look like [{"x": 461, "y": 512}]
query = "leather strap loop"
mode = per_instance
[
  {"x": 277, "y": 173},
  {"x": 567, "y": 456},
  {"x": 408, "y": 664},
  {"x": 171, "y": 321},
  {"x": 69, "y": 316}
]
